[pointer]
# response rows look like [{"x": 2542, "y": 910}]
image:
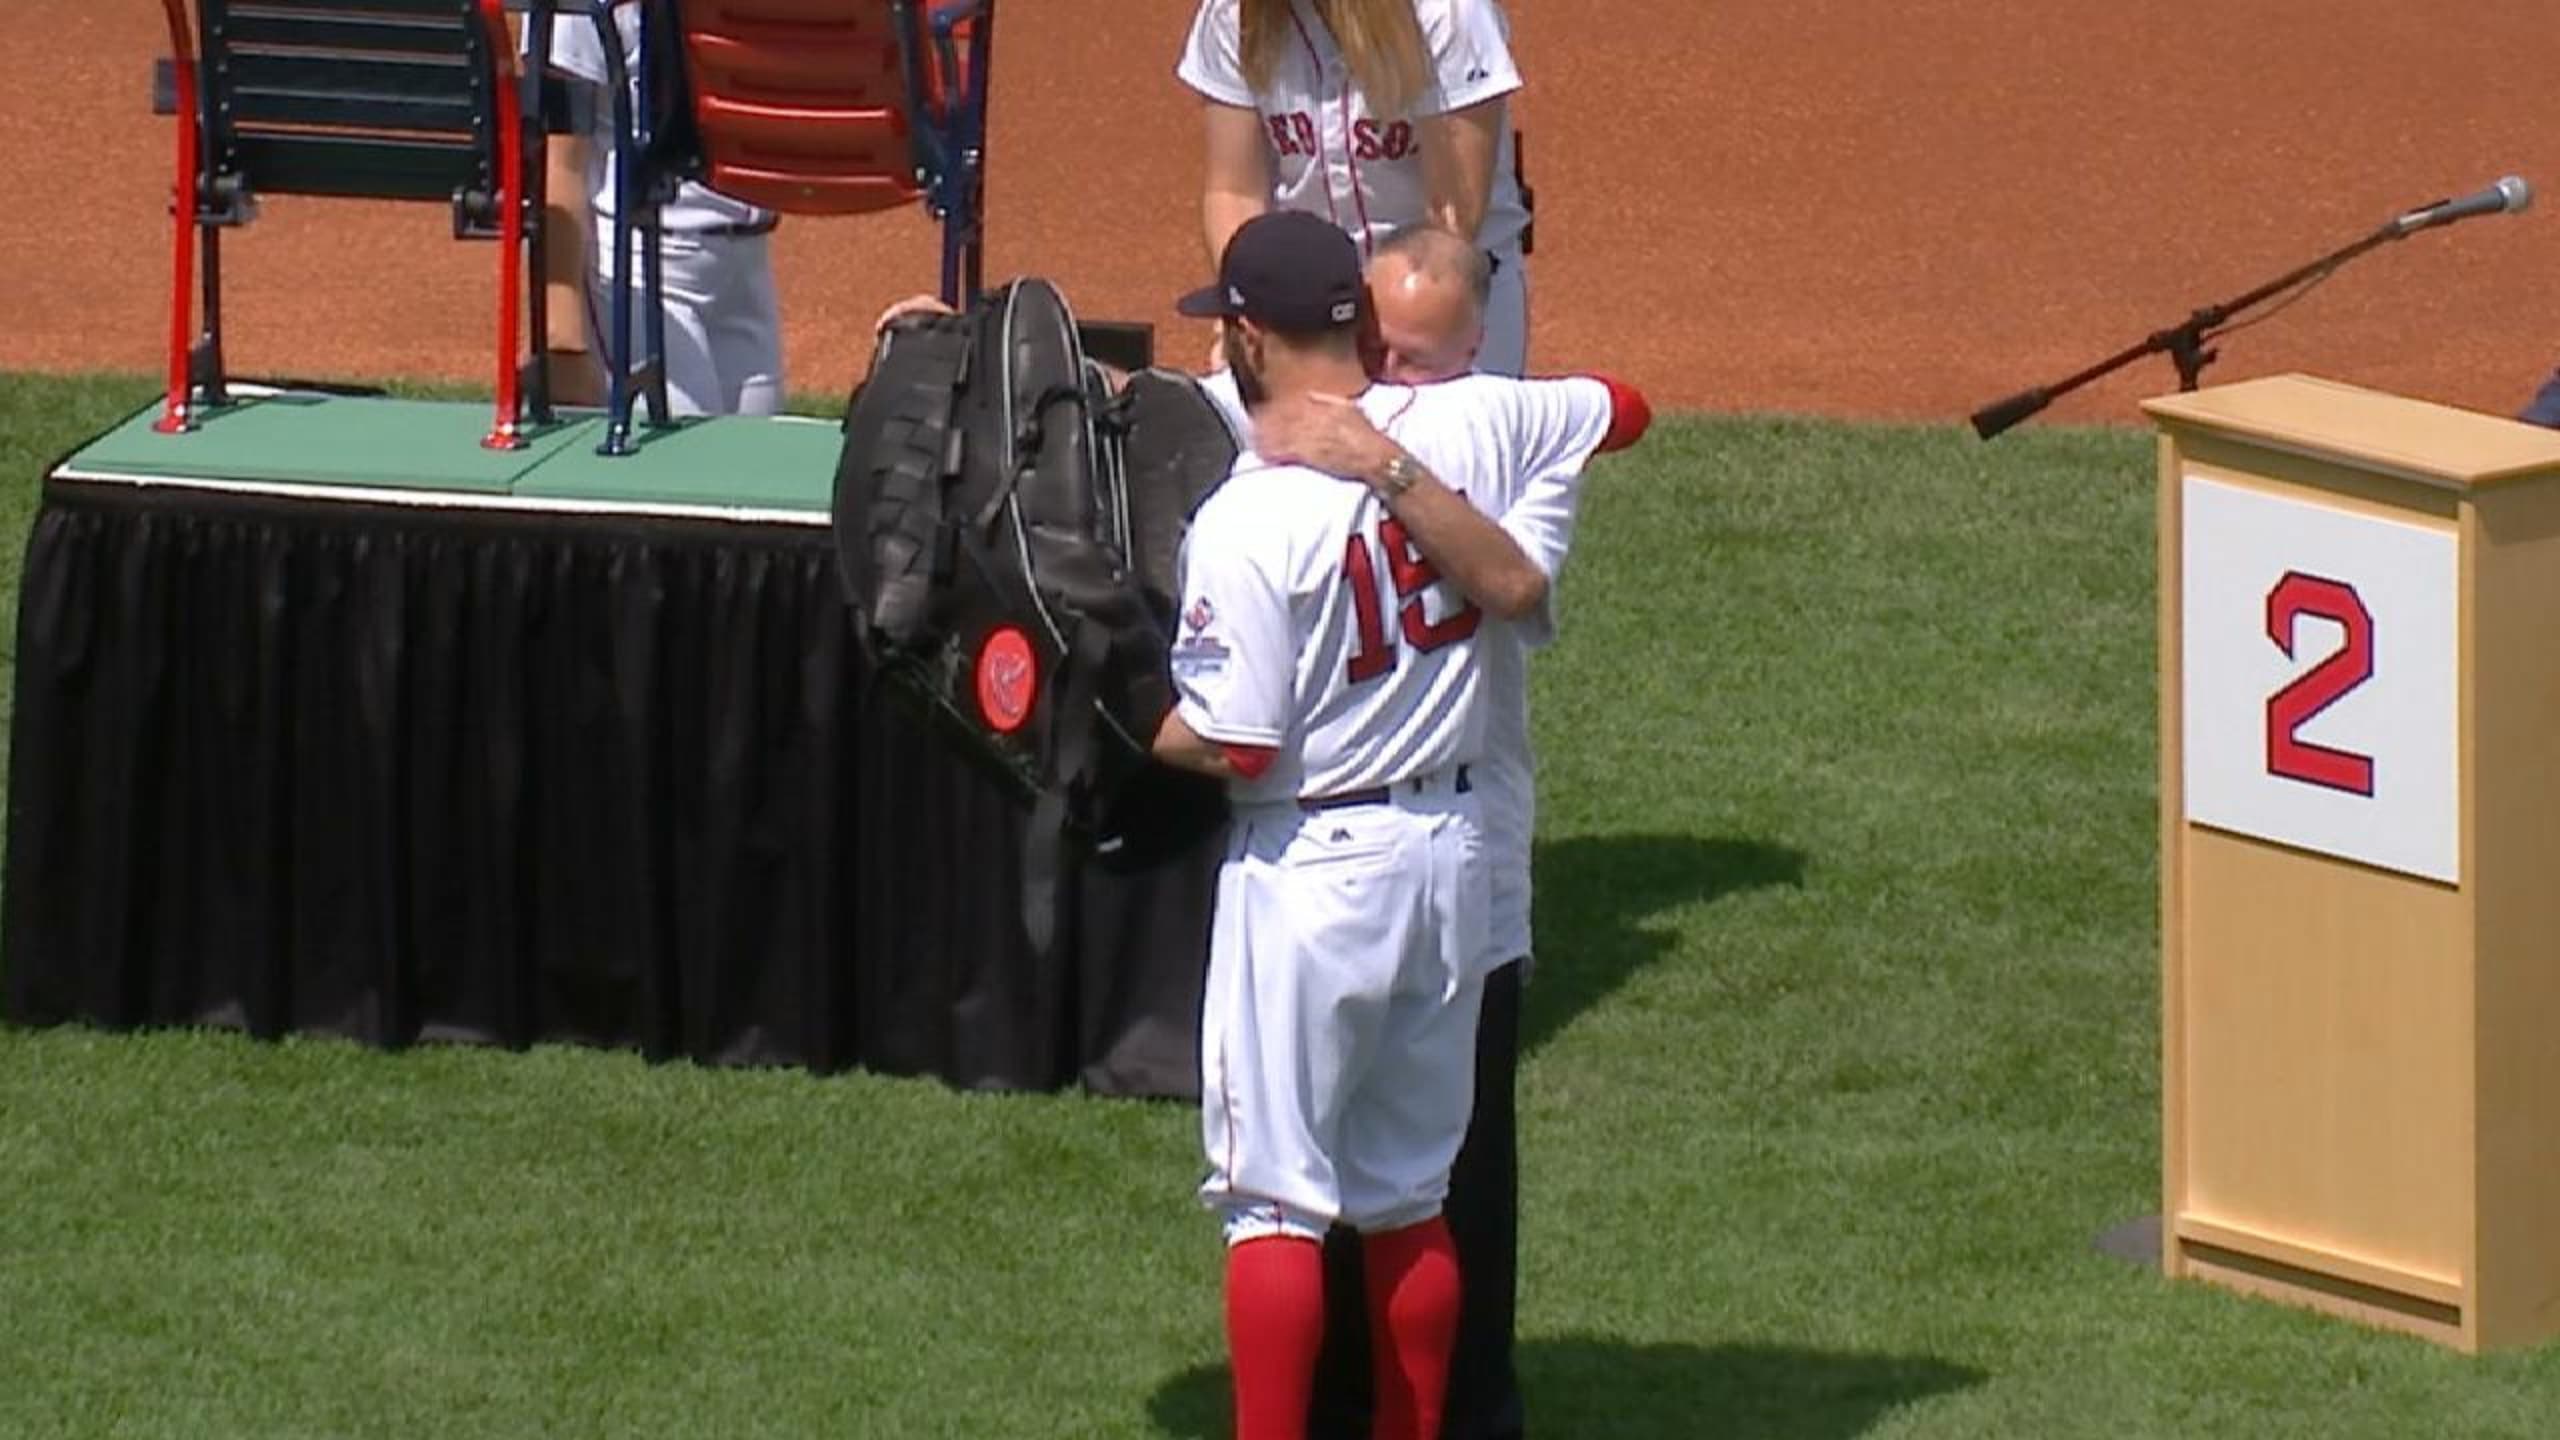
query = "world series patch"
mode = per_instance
[{"x": 1198, "y": 652}]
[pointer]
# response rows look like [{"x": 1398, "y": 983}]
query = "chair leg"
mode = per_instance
[
  {"x": 618, "y": 369},
  {"x": 506, "y": 429},
  {"x": 617, "y": 398},
  {"x": 205, "y": 364},
  {"x": 966, "y": 137},
  {"x": 646, "y": 187},
  {"x": 175, "y": 412},
  {"x": 535, "y": 370},
  {"x": 653, "y": 319}
]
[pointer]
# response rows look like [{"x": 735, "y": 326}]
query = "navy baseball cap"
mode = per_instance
[{"x": 1287, "y": 270}]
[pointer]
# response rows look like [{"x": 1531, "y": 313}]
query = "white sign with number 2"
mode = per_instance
[{"x": 2321, "y": 650}]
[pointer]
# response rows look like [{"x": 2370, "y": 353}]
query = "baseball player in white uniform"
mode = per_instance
[
  {"x": 1326, "y": 670},
  {"x": 723, "y": 320},
  {"x": 1326, "y": 153},
  {"x": 1427, "y": 292}
]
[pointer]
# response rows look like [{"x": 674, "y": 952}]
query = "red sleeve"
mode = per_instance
[
  {"x": 1629, "y": 415},
  {"x": 1250, "y": 760}
]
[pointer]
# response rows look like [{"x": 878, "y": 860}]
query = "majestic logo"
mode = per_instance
[{"x": 1008, "y": 679}]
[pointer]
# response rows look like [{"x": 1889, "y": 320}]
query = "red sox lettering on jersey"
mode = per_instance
[
  {"x": 1330, "y": 156},
  {"x": 1294, "y": 135}
]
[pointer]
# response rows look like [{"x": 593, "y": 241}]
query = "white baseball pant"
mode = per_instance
[{"x": 1337, "y": 1046}]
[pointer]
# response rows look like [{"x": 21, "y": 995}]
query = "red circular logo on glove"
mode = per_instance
[{"x": 1008, "y": 679}]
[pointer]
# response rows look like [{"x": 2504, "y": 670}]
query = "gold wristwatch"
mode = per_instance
[{"x": 1397, "y": 475}]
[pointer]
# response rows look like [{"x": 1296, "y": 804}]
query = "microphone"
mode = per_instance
[{"x": 2507, "y": 197}]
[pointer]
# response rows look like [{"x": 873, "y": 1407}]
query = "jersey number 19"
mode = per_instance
[{"x": 1413, "y": 576}]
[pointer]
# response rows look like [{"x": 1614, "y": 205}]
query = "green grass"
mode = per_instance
[{"x": 1842, "y": 1050}]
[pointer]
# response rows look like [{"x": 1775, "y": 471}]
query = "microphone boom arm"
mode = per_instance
[{"x": 2184, "y": 344}]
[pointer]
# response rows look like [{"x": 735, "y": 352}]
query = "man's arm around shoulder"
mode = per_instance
[{"x": 1329, "y": 434}]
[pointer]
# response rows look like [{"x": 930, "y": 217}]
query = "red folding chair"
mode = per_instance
[
  {"x": 844, "y": 107},
  {"x": 801, "y": 111}
]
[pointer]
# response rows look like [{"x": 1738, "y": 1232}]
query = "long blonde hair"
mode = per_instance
[{"x": 1380, "y": 40}]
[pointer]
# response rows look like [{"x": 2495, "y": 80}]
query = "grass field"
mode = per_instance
[{"x": 1842, "y": 1050}]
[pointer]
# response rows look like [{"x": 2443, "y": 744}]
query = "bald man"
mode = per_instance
[{"x": 1427, "y": 295}]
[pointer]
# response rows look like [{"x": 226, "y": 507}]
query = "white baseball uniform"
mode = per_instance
[
  {"x": 1350, "y": 939},
  {"x": 1331, "y": 157},
  {"x": 723, "y": 319},
  {"x": 1551, "y": 429}
]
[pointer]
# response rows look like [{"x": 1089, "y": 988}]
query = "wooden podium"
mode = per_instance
[{"x": 2360, "y": 856}]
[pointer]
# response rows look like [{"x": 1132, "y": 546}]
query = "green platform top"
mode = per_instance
[
  {"x": 430, "y": 451},
  {"x": 729, "y": 462}
]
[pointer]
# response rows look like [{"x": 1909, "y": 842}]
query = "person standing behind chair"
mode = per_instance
[
  {"x": 723, "y": 319},
  {"x": 1374, "y": 114}
]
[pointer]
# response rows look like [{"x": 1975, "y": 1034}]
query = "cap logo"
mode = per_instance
[
  {"x": 1235, "y": 296},
  {"x": 1344, "y": 310}
]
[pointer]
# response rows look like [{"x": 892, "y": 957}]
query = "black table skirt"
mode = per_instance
[{"x": 409, "y": 774}]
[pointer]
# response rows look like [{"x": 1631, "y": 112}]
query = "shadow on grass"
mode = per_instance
[
  {"x": 1597, "y": 899},
  {"x": 1580, "y": 1386}
]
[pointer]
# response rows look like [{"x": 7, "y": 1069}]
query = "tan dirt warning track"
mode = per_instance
[{"x": 1897, "y": 208}]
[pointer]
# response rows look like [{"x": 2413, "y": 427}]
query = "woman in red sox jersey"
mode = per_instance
[{"x": 1374, "y": 114}]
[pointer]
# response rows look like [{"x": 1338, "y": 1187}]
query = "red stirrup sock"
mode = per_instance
[
  {"x": 1412, "y": 1278},
  {"x": 1275, "y": 1325}
]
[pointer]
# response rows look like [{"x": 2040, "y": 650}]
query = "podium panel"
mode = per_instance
[
  {"x": 2319, "y": 653},
  {"x": 2360, "y": 856}
]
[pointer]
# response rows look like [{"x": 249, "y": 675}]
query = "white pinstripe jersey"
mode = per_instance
[{"x": 1329, "y": 155}]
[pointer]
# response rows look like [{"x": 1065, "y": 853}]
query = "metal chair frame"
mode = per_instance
[{"x": 351, "y": 98}]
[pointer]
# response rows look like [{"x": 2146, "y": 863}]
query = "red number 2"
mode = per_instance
[
  {"x": 1374, "y": 654},
  {"x": 2319, "y": 687}
]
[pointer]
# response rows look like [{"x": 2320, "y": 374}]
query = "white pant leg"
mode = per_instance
[
  {"x": 1506, "y": 320},
  {"x": 1405, "y": 1123},
  {"x": 1316, "y": 918},
  {"x": 723, "y": 323},
  {"x": 746, "y": 329}
]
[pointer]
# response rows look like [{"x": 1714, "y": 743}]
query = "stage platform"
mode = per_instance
[
  {"x": 776, "y": 470},
  {"x": 329, "y": 720}
]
